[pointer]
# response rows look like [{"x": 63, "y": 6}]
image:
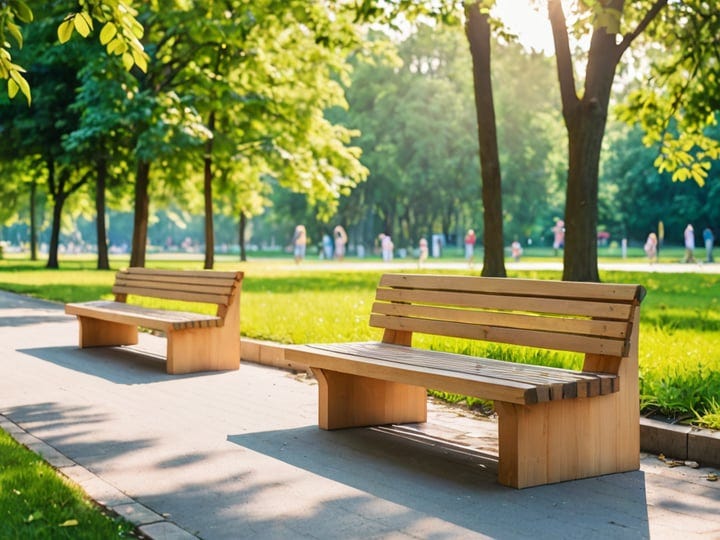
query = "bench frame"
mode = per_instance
[
  {"x": 195, "y": 342},
  {"x": 583, "y": 435}
]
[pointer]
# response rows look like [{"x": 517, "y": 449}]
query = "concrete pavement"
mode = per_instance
[{"x": 238, "y": 454}]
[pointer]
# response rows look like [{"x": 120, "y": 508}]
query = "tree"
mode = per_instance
[{"x": 585, "y": 108}]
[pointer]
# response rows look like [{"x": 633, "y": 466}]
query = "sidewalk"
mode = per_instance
[{"x": 238, "y": 455}]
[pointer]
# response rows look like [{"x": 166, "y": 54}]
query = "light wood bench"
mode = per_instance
[
  {"x": 195, "y": 342},
  {"x": 554, "y": 424}
]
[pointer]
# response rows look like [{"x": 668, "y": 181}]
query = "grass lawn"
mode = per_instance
[{"x": 35, "y": 502}]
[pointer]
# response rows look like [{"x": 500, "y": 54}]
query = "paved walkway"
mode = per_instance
[{"x": 238, "y": 455}]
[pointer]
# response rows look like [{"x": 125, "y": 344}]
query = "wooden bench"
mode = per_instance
[
  {"x": 553, "y": 424},
  {"x": 195, "y": 342}
]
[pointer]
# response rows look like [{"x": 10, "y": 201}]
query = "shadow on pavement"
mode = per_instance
[
  {"x": 120, "y": 365},
  {"x": 438, "y": 477}
]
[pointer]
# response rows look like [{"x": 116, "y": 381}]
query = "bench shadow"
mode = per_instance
[
  {"x": 120, "y": 365},
  {"x": 457, "y": 483}
]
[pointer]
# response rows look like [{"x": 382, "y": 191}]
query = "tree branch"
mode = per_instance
[
  {"x": 653, "y": 12},
  {"x": 566, "y": 76}
]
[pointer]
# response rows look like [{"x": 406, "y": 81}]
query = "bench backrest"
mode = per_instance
[
  {"x": 205, "y": 286},
  {"x": 591, "y": 318}
]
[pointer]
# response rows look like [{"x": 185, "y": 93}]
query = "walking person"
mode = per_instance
[
  {"x": 709, "y": 239},
  {"x": 689, "y": 244},
  {"x": 299, "y": 242},
  {"x": 341, "y": 238},
  {"x": 470, "y": 239},
  {"x": 651, "y": 247}
]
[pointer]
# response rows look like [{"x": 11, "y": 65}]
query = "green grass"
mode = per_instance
[
  {"x": 680, "y": 324},
  {"x": 35, "y": 502}
]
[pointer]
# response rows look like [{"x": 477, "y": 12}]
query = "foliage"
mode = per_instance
[
  {"x": 678, "y": 103},
  {"x": 121, "y": 33},
  {"x": 36, "y": 502},
  {"x": 679, "y": 336}
]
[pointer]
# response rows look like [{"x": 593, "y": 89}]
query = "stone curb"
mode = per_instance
[
  {"x": 656, "y": 437},
  {"x": 150, "y": 524}
]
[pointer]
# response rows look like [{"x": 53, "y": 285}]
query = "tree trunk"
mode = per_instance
[
  {"x": 103, "y": 262},
  {"x": 140, "y": 221},
  {"x": 57, "y": 192},
  {"x": 207, "y": 191},
  {"x": 477, "y": 30},
  {"x": 33, "y": 221},
  {"x": 241, "y": 236},
  {"x": 585, "y": 120}
]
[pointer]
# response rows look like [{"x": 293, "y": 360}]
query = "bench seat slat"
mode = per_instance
[
  {"x": 593, "y": 327},
  {"x": 566, "y": 380},
  {"x": 426, "y": 377},
  {"x": 528, "y": 338},
  {"x": 552, "y": 289},
  {"x": 156, "y": 319},
  {"x": 558, "y": 306}
]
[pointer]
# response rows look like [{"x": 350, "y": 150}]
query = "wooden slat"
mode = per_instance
[
  {"x": 183, "y": 273},
  {"x": 528, "y": 338},
  {"x": 465, "y": 384},
  {"x": 181, "y": 295},
  {"x": 564, "y": 382},
  {"x": 539, "y": 304},
  {"x": 615, "y": 329},
  {"x": 529, "y": 287},
  {"x": 156, "y": 319},
  {"x": 205, "y": 286}
]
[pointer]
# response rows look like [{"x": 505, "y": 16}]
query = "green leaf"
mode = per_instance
[
  {"x": 107, "y": 33},
  {"x": 12, "y": 88},
  {"x": 22, "y": 11},
  {"x": 140, "y": 60},
  {"x": 65, "y": 30},
  {"x": 127, "y": 60},
  {"x": 69, "y": 523},
  {"x": 83, "y": 24}
]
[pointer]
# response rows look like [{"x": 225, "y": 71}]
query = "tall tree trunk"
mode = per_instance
[
  {"x": 103, "y": 261},
  {"x": 241, "y": 236},
  {"x": 60, "y": 189},
  {"x": 33, "y": 221},
  {"x": 140, "y": 221},
  {"x": 585, "y": 120},
  {"x": 207, "y": 191},
  {"x": 477, "y": 30}
]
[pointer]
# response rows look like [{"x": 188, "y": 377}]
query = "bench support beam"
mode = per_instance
[
  {"x": 99, "y": 333},
  {"x": 348, "y": 400},
  {"x": 203, "y": 349}
]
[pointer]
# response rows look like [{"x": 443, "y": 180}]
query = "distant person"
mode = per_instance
[
  {"x": 327, "y": 247},
  {"x": 470, "y": 240},
  {"x": 386, "y": 245},
  {"x": 650, "y": 247},
  {"x": 689, "y": 244},
  {"x": 558, "y": 236},
  {"x": 516, "y": 250},
  {"x": 423, "y": 247},
  {"x": 709, "y": 239},
  {"x": 299, "y": 242},
  {"x": 341, "y": 238}
]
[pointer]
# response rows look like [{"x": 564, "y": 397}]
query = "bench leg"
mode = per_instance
[
  {"x": 566, "y": 440},
  {"x": 98, "y": 333},
  {"x": 203, "y": 349},
  {"x": 352, "y": 401}
]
